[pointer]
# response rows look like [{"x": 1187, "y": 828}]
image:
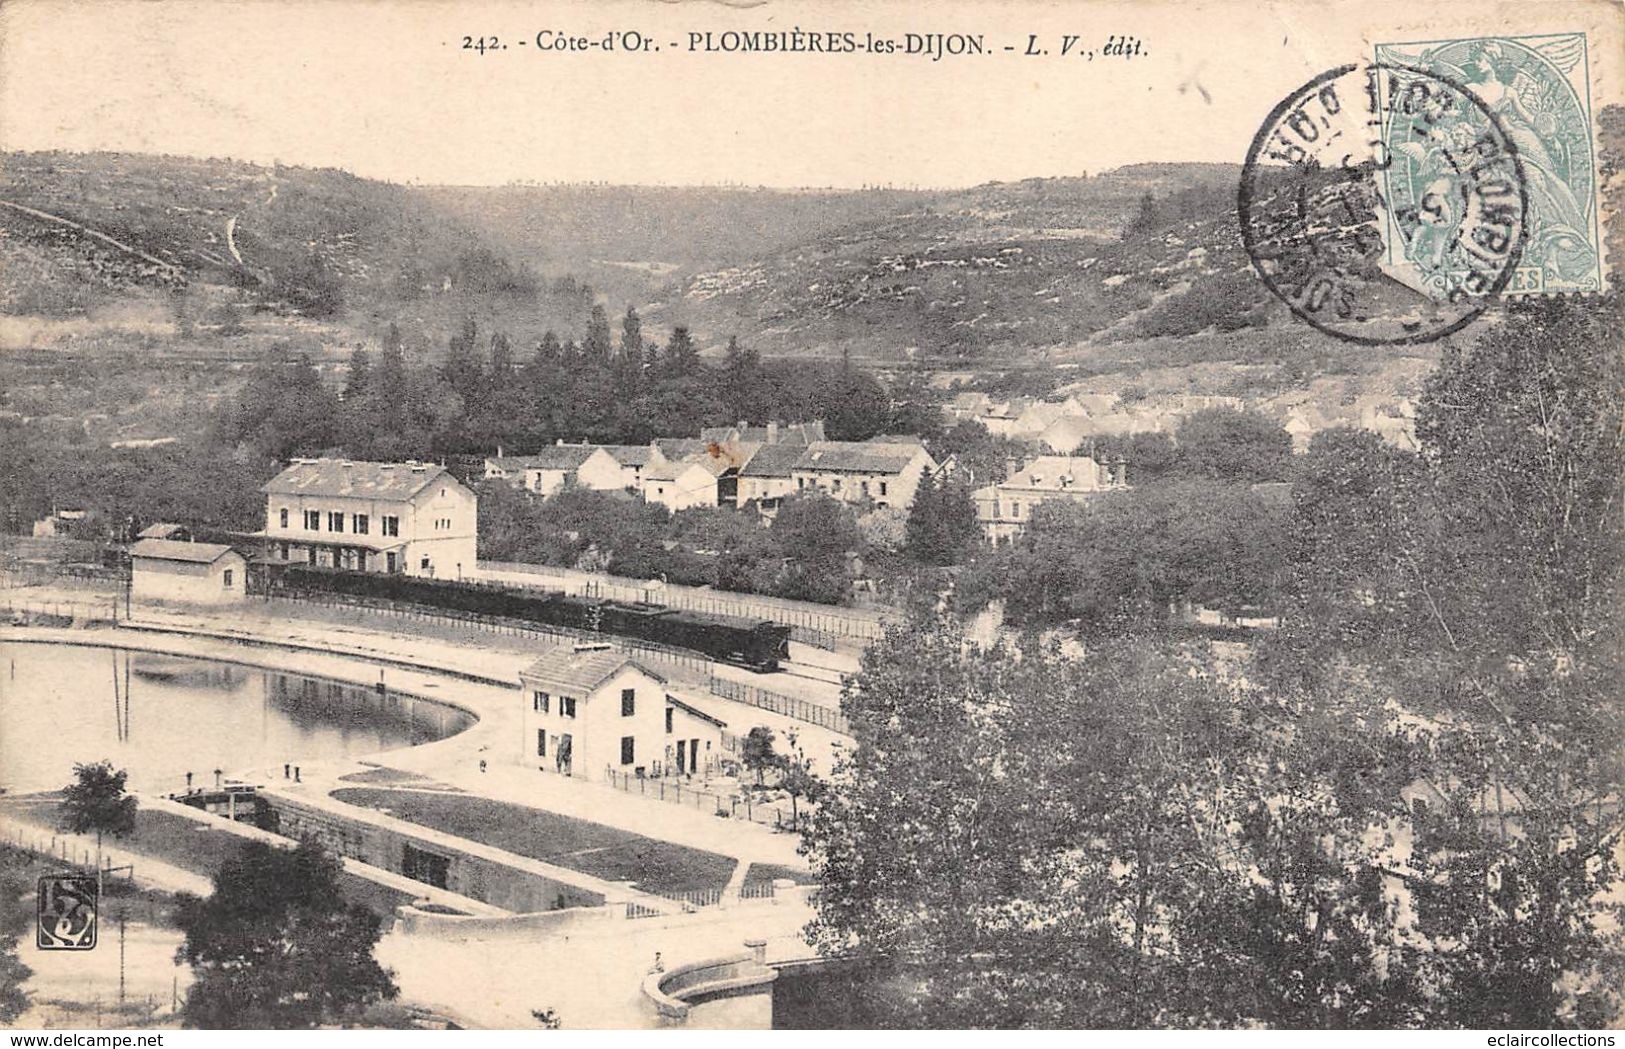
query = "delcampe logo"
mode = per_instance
[{"x": 67, "y": 913}]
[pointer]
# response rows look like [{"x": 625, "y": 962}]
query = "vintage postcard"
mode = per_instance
[{"x": 790, "y": 515}]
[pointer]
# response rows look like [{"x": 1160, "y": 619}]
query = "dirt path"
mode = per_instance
[{"x": 46, "y": 216}]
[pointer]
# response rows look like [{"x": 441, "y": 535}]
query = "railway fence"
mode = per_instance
[{"x": 812, "y": 626}]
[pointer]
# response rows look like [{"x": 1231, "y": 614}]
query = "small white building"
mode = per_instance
[
  {"x": 171, "y": 572},
  {"x": 678, "y": 485},
  {"x": 591, "y": 709}
]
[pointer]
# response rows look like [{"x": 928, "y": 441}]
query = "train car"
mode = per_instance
[{"x": 757, "y": 644}]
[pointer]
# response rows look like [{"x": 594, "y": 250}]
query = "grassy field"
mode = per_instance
[
  {"x": 198, "y": 847},
  {"x": 591, "y": 848}
]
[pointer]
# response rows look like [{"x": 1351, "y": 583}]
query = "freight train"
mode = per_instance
[{"x": 757, "y": 644}]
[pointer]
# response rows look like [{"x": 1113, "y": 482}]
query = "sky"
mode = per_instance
[{"x": 386, "y": 90}]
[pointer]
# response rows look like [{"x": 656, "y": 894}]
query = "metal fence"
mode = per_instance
[
  {"x": 732, "y": 804},
  {"x": 691, "y": 900},
  {"x": 809, "y": 625},
  {"x": 779, "y": 703},
  {"x": 696, "y": 664}
]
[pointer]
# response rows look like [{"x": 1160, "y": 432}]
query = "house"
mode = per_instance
[
  {"x": 966, "y": 405},
  {"x": 167, "y": 571},
  {"x": 633, "y": 460},
  {"x": 60, "y": 523},
  {"x": 409, "y": 517},
  {"x": 1004, "y": 509},
  {"x": 1041, "y": 415},
  {"x": 768, "y": 476},
  {"x": 545, "y": 472},
  {"x": 1070, "y": 433},
  {"x": 885, "y": 472},
  {"x": 678, "y": 484},
  {"x": 801, "y": 434},
  {"x": 166, "y": 530},
  {"x": 1000, "y": 416},
  {"x": 591, "y": 709},
  {"x": 697, "y": 472}
]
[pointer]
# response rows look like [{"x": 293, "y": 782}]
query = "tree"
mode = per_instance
[
  {"x": 358, "y": 379},
  {"x": 277, "y": 947},
  {"x": 1233, "y": 444},
  {"x": 1145, "y": 218},
  {"x": 853, "y": 404},
  {"x": 1478, "y": 585},
  {"x": 596, "y": 346},
  {"x": 941, "y": 521},
  {"x": 796, "y": 777},
  {"x": 757, "y": 753},
  {"x": 96, "y": 802},
  {"x": 1147, "y": 457},
  {"x": 1050, "y": 878},
  {"x": 816, "y": 533},
  {"x": 16, "y": 917},
  {"x": 632, "y": 337},
  {"x": 681, "y": 358}
]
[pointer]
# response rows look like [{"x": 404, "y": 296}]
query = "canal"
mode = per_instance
[{"x": 161, "y": 716}]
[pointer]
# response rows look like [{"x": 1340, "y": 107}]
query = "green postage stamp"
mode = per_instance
[{"x": 1538, "y": 89}]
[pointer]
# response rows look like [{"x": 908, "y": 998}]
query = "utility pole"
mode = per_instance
[{"x": 121, "y": 917}]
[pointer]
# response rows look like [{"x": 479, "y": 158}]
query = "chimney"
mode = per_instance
[{"x": 772, "y": 431}]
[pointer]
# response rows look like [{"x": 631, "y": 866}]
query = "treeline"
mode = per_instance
[
  {"x": 485, "y": 393},
  {"x": 1402, "y": 812},
  {"x": 1205, "y": 525}
]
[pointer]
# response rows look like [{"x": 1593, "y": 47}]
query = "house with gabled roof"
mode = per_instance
[
  {"x": 1004, "y": 509},
  {"x": 413, "y": 518},
  {"x": 768, "y": 476},
  {"x": 883, "y": 471},
  {"x": 590, "y": 710},
  {"x": 551, "y": 468}
]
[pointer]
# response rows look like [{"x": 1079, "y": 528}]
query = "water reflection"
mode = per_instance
[{"x": 161, "y": 717}]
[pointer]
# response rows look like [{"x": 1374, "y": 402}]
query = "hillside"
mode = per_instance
[
  {"x": 82, "y": 231},
  {"x": 629, "y": 242},
  {"x": 1037, "y": 263}
]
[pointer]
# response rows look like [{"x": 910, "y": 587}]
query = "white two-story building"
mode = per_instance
[
  {"x": 414, "y": 518},
  {"x": 591, "y": 709}
]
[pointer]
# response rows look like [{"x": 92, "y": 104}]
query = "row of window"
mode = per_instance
[
  {"x": 835, "y": 485},
  {"x": 542, "y": 703},
  {"x": 359, "y": 523}
]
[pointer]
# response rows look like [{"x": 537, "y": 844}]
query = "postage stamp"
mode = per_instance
[
  {"x": 1538, "y": 90},
  {"x": 67, "y": 912},
  {"x": 1324, "y": 230}
]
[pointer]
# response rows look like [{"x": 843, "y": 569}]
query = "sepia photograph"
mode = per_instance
[{"x": 803, "y": 515}]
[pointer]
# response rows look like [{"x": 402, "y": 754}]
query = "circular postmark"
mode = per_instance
[{"x": 1383, "y": 204}]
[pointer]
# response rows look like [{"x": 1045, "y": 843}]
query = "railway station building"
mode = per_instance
[{"x": 410, "y": 518}]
